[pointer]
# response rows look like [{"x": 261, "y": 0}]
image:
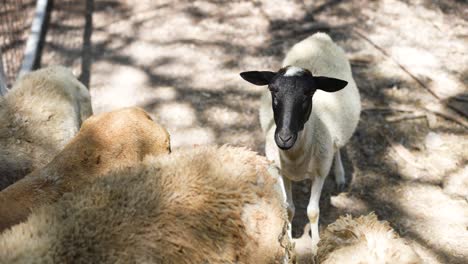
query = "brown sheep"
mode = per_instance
[
  {"x": 38, "y": 116},
  {"x": 363, "y": 240},
  {"x": 105, "y": 142},
  {"x": 200, "y": 205}
]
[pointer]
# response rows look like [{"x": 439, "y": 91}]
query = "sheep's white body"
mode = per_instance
[{"x": 332, "y": 122}]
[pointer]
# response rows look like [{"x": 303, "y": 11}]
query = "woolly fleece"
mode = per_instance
[
  {"x": 105, "y": 142},
  {"x": 39, "y": 115},
  {"x": 200, "y": 205},
  {"x": 363, "y": 240}
]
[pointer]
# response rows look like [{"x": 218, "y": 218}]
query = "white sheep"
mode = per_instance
[
  {"x": 38, "y": 116},
  {"x": 363, "y": 240},
  {"x": 303, "y": 140},
  {"x": 199, "y": 205}
]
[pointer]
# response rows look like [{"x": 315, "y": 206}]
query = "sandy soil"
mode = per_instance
[{"x": 180, "y": 61}]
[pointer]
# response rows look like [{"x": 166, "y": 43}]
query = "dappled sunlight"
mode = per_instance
[
  {"x": 283, "y": 9},
  {"x": 144, "y": 53},
  {"x": 414, "y": 58},
  {"x": 128, "y": 89},
  {"x": 431, "y": 161},
  {"x": 425, "y": 252},
  {"x": 451, "y": 85},
  {"x": 350, "y": 204},
  {"x": 442, "y": 230},
  {"x": 426, "y": 66},
  {"x": 223, "y": 116},
  {"x": 176, "y": 115},
  {"x": 191, "y": 136},
  {"x": 421, "y": 46},
  {"x": 165, "y": 93},
  {"x": 456, "y": 183},
  {"x": 180, "y": 61}
]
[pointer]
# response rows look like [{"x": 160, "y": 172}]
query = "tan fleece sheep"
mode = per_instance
[
  {"x": 38, "y": 116},
  {"x": 105, "y": 142},
  {"x": 363, "y": 240},
  {"x": 200, "y": 205}
]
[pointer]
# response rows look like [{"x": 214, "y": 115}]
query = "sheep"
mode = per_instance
[
  {"x": 363, "y": 240},
  {"x": 201, "y": 205},
  {"x": 39, "y": 115},
  {"x": 303, "y": 140},
  {"x": 105, "y": 142}
]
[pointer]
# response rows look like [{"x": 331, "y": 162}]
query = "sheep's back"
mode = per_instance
[{"x": 205, "y": 205}]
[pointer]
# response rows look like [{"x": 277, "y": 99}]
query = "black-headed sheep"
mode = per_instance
[{"x": 301, "y": 139}]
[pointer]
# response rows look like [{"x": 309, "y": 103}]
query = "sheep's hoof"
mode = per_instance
[{"x": 340, "y": 187}]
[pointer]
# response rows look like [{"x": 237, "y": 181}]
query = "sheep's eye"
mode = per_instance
[{"x": 272, "y": 88}]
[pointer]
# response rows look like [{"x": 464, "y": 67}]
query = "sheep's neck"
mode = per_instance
[{"x": 295, "y": 161}]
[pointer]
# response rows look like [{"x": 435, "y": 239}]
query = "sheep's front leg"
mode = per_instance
[
  {"x": 339, "y": 172},
  {"x": 285, "y": 191},
  {"x": 289, "y": 199},
  {"x": 313, "y": 210}
]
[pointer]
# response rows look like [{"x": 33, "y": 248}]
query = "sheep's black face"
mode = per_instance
[
  {"x": 292, "y": 104},
  {"x": 291, "y": 89}
]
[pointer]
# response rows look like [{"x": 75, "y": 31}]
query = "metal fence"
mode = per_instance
[{"x": 21, "y": 23}]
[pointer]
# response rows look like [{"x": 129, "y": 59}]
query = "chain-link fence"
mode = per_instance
[
  {"x": 68, "y": 38},
  {"x": 18, "y": 22}
]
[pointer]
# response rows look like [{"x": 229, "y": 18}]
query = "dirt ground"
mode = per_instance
[{"x": 180, "y": 61}]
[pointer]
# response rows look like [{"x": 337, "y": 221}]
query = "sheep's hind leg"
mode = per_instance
[
  {"x": 339, "y": 172},
  {"x": 313, "y": 210}
]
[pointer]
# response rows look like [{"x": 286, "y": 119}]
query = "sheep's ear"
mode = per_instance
[
  {"x": 258, "y": 77},
  {"x": 328, "y": 84}
]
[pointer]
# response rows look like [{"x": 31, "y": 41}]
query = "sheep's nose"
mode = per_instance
[{"x": 285, "y": 137}]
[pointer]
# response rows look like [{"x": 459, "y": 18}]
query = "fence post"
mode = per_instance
[
  {"x": 3, "y": 81},
  {"x": 32, "y": 45}
]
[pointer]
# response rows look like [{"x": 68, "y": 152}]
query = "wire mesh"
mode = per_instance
[
  {"x": 67, "y": 41},
  {"x": 15, "y": 23}
]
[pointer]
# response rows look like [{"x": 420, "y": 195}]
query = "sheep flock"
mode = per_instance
[{"x": 78, "y": 187}]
